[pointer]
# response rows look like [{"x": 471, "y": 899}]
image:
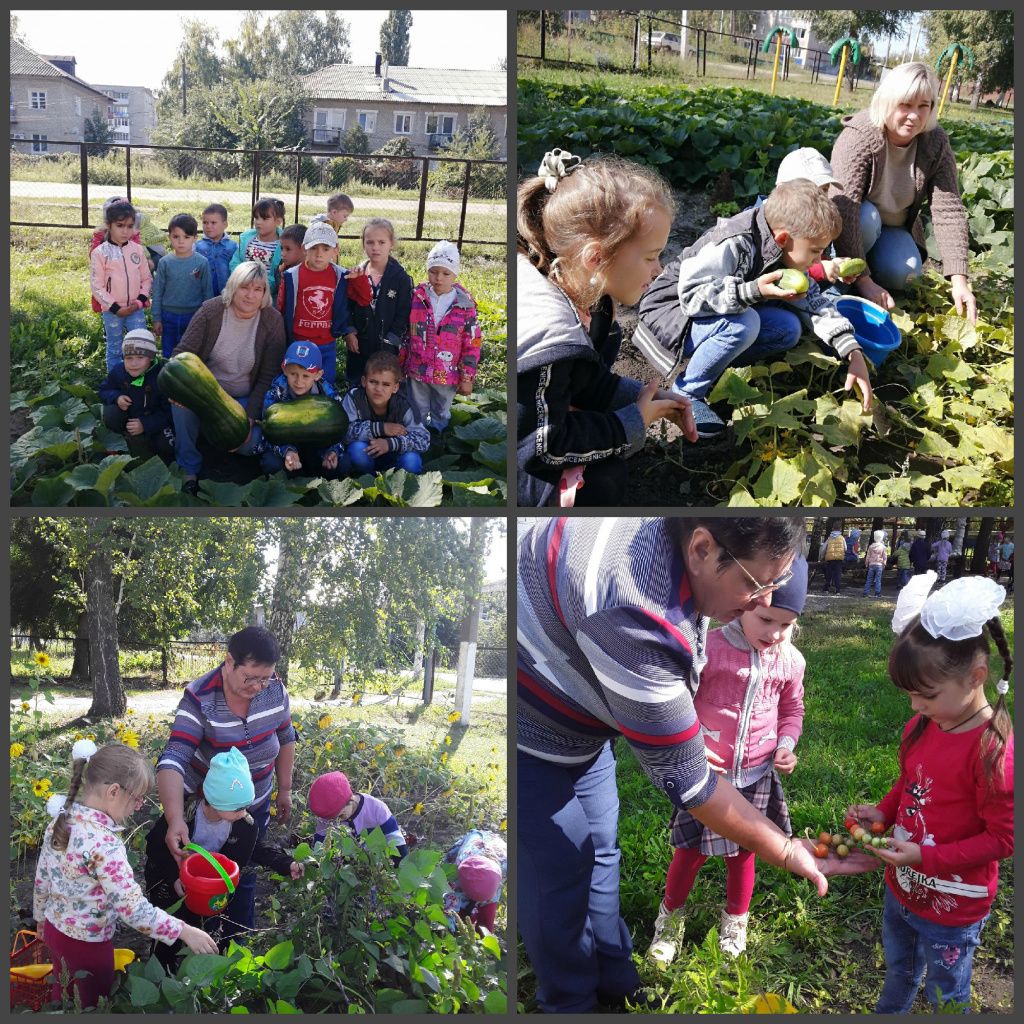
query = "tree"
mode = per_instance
[
  {"x": 355, "y": 140},
  {"x": 253, "y": 54},
  {"x": 309, "y": 40},
  {"x": 267, "y": 114},
  {"x": 196, "y": 66},
  {"x": 979, "y": 558},
  {"x": 988, "y": 33},
  {"x": 831, "y": 25},
  {"x": 394, "y": 38},
  {"x": 16, "y": 32},
  {"x": 390, "y": 172},
  {"x": 476, "y": 141},
  {"x": 97, "y": 131}
]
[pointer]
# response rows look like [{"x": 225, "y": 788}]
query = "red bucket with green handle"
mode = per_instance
[{"x": 208, "y": 879}]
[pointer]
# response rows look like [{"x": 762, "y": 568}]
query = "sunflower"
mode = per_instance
[
  {"x": 503, "y": 825},
  {"x": 41, "y": 787},
  {"x": 356, "y": 698},
  {"x": 399, "y": 750},
  {"x": 17, "y": 749},
  {"x": 130, "y": 738},
  {"x": 361, "y": 745},
  {"x": 454, "y": 716},
  {"x": 324, "y": 721},
  {"x": 444, "y": 757},
  {"x": 328, "y": 745},
  {"x": 447, "y": 741},
  {"x": 25, "y": 705},
  {"x": 418, "y": 809},
  {"x": 42, "y": 659}
]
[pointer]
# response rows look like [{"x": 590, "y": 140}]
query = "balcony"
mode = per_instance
[
  {"x": 326, "y": 136},
  {"x": 438, "y": 140}
]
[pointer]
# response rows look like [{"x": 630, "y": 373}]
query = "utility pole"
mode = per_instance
[{"x": 682, "y": 32}]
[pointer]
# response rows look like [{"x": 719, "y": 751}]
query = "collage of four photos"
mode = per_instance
[{"x": 276, "y": 471}]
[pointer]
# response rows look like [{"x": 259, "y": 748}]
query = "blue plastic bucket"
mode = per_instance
[{"x": 873, "y": 327}]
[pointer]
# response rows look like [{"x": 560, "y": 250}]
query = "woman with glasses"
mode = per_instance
[
  {"x": 243, "y": 704},
  {"x": 612, "y": 622}
]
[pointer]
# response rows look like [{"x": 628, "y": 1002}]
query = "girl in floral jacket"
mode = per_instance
[
  {"x": 84, "y": 882},
  {"x": 444, "y": 340}
]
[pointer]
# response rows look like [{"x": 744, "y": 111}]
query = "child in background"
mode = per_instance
[
  {"x": 444, "y": 340},
  {"x": 941, "y": 550},
  {"x": 219, "y": 822},
  {"x": 339, "y": 208},
  {"x": 314, "y": 302},
  {"x": 481, "y": 860},
  {"x": 120, "y": 279},
  {"x": 720, "y": 304},
  {"x": 993, "y": 554},
  {"x": 834, "y": 556},
  {"x": 874, "y": 562},
  {"x": 182, "y": 285},
  {"x": 332, "y": 801},
  {"x": 261, "y": 243},
  {"x": 302, "y": 374},
  {"x": 382, "y": 325},
  {"x": 751, "y": 710},
  {"x": 903, "y": 567},
  {"x": 383, "y": 431},
  {"x": 589, "y": 234},
  {"x": 292, "y": 254},
  {"x": 951, "y": 808},
  {"x": 218, "y": 248},
  {"x": 84, "y": 883},
  {"x": 133, "y": 405}
]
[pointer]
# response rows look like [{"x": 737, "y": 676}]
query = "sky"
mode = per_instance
[{"x": 439, "y": 39}]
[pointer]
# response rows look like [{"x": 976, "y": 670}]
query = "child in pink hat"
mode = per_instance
[
  {"x": 481, "y": 860},
  {"x": 332, "y": 802}
]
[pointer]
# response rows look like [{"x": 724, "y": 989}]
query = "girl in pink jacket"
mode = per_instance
[{"x": 750, "y": 705}]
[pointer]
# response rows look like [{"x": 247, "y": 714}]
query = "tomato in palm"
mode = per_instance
[
  {"x": 850, "y": 822},
  {"x": 878, "y": 827}
]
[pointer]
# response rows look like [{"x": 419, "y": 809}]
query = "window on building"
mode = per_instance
[
  {"x": 403, "y": 124},
  {"x": 38, "y": 99},
  {"x": 368, "y": 121},
  {"x": 440, "y": 124},
  {"x": 39, "y": 144}
]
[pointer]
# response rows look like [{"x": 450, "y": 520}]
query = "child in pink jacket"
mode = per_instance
[
  {"x": 750, "y": 705},
  {"x": 443, "y": 350}
]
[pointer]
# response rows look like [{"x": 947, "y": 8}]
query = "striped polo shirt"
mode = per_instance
[
  {"x": 204, "y": 725},
  {"x": 609, "y": 643}
]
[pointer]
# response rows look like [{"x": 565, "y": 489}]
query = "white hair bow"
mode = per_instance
[
  {"x": 911, "y": 599},
  {"x": 557, "y": 163},
  {"x": 958, "y": 611}
]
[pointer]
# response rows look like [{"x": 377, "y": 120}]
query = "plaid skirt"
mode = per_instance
[{"x": 765, "y": 795}]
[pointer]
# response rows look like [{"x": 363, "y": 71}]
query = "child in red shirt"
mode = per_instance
[
  {"x": 315, "y": 299},
  {"x": 952, "y": 806}
]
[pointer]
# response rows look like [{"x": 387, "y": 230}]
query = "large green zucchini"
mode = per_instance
[
  {"x": 314, "y": 421},
  {"x": 187, "y": 379}
]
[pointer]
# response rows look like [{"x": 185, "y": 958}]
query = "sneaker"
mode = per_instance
[
  {"x": 668, "y": 935},
  {"x": 709, "y": 423},
  {"x": 191, "y": 486},
  {"x": 732, "y": 933}
]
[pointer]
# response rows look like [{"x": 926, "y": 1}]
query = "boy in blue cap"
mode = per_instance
[
  {"x": 219, "y": 821},
  {"x": 302, "y": 374}
]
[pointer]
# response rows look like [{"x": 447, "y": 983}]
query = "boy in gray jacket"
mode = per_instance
[{"x": 702, "y": 307}]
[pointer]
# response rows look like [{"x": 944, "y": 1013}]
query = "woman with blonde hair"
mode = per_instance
[{"x": 888, "y": 162}]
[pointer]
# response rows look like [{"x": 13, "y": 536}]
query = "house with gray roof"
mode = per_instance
[
  {"x": 48, "y": 104},
  {"x": 425, "y": 105}
]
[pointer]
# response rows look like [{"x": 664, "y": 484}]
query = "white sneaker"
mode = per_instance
[
  {"x": 732, "y": 933},
  {"x": 668, "y": 934}
]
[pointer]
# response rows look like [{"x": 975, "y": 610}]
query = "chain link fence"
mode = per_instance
[{"x": 427, "y": 198}]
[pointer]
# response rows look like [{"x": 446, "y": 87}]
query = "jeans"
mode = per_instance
[
  {"x": 568, "y": 891},
  {"x": 715, "y": 342},
  {"x": 240, "y": 913},
  {"x": 357, "y": 461},
  {"x": 174, "y": 325},
  {"x": 874, "y": 577},
  {"x": 160, "y": 441},
  {"x": 833, "y": 574},
  {"x": 913, "y": 946},
  {"x": 115, "y": 328},
  {"x": 903, "y": 577},
  {"x": 329, "y": 361},
  {"x": 892, "y": 253},
  {"x": 432, "y": 403},
  {"x": 186, "y": 438}
]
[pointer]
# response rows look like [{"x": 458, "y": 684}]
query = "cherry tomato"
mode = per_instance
[
  {"x": 825, "y": 837},
  {"x": 878, "y": 827},
  {"x": 821, "y": 850},
  {"x": 850, "y": 823}
]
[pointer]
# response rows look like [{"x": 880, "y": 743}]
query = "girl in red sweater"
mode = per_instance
[{"x": 952, "y": 806}]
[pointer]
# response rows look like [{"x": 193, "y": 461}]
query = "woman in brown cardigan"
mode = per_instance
[
  {"x": 240, "y": 337},
  {"x": 888, "y": 161}
]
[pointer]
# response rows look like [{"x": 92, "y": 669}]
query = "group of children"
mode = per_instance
[
  {"x": 951, "y": 809},
  {"x": 409, "y": 349},
  {"x": 84, "y": 883},
  {"x": 591, "y": 232}
]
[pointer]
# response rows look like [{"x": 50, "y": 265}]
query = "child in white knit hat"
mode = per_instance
[{"x": 443, "y": 349}]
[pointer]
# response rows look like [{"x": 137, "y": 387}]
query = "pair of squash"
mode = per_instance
[{"x": 314, "y": 421}]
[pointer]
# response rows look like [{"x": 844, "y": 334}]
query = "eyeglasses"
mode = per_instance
[
  {"x": 262, "y": 681},
  {"x": 759, "y": 588}
]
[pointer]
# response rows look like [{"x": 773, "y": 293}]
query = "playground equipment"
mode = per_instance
[
  {"x": 841, "y": 49},
  {"x": 776, "y": 34},
  {"x": 956, "y": 52}
]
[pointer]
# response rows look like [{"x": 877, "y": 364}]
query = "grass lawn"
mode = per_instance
[{"x": 823, "y": 955}]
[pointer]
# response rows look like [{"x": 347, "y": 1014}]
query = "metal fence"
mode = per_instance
[{"x": 428, "y": 198}]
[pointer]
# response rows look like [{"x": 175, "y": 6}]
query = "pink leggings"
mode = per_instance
[
  {"x": 682, "y": 873},
  {"x": 76, "y": 955}
]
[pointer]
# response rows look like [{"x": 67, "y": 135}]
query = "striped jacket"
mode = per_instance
[
  {"x": 204, "y": 726},
  {"x": 609, "y": 643}
]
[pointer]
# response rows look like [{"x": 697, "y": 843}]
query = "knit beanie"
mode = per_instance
[
  {"x": 479, "y": 878},
  {"x": 444, "y": 254},
  {"x": 329, "y": 794},
  {"x": 228, "y": 784},
  {"x": 139, "y": 342},
  {"x": 878, "y": 536},
  {"x": 792, "y": 595}
]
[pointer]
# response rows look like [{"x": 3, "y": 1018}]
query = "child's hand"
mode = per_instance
[
  {"x": 831, "y": 268},
  {"x": 377, "y": 447},
  {"x": 858, "y": 374},
  {"x": 158, "y": 328},
  {"x": 197, "y": 940},
  {"x": 292, "y": 460},
  {"x": 394, "y": 430},
  {"x": 653, "y": 407},
  {"x": 785, "y": 760},
  {"x": 297, "y": 869},
  {"x": 124, "y": 403},
  {"x": 865, "y": 812},
  {"x": 898, "y": 852},
  {"x": 352, "y": 342},
  {"x": 133, "y": 427},
  {"x": 178, "y": 887},
  {"x": 128, "y": 309},
  {"x": 466, "y": 386},
  {"x": 357, "y": 271},
  {"x": 769, "y": 289},
  {"x": 682, "y": 415},
  {"x": 330, "y": 460}
]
